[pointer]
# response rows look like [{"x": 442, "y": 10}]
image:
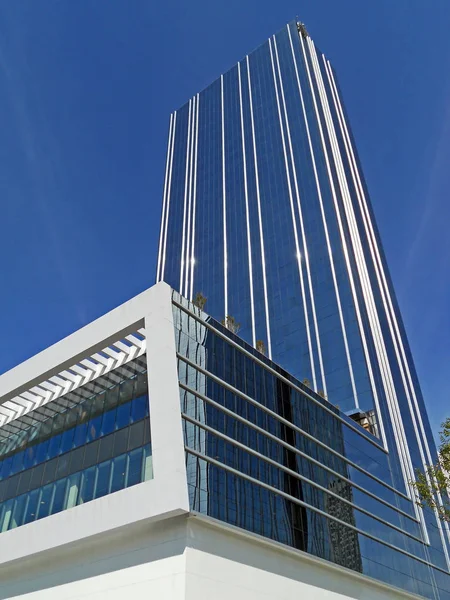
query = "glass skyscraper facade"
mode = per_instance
[
  {"x": 266, "y": 213},
  {"x": 267, "y": 454}
]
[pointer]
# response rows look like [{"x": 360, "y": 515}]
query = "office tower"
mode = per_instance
[{"x": 266, "y": 213}]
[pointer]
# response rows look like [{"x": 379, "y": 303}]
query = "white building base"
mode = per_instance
[{"x": 183, "y": 558}]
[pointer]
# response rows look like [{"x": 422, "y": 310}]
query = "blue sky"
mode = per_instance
[{"x": 86, "y": 89}]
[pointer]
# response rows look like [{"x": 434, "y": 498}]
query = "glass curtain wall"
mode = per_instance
[{"x": 266, "y": 454}]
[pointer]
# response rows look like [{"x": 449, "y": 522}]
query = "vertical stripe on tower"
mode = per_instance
[
  {"x": 189, "y": 210},
  {"x": 164, "y": 203},
  {"x": 186, "y": 187},
  {"x": 194, "y": 208},
  {"x": 224, "y": 199},
  {"x": 169, "y": 187},
  {"x": 258, "y": 201},
  {"x": 302, "y": 228},
  {"x": 247, "y": 217},
  {"x": 294, "y": 224}
]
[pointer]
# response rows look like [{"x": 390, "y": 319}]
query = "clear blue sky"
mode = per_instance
[{"x": 86, "y": 89}]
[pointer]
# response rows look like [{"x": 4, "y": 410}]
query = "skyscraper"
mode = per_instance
[{"x": 266, "y": 213}]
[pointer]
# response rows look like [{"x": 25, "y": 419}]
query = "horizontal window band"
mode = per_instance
[
  {"x": 308, "y": 506},
  {"x": 357, "y": 430},
  {"x": 82, "y": 453},
  {"x": 296, "y": 451},
  {"x": 16, "y": 512},
  {"x": 285, "y": 422},
  {"x": 285, "y": 469}
]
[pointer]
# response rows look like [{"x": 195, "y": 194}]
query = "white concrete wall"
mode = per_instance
[
  {"x": 183, "y": 558},
  {"x": 140, "y": 564}
]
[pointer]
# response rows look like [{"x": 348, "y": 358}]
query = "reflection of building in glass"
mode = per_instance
[
  {"x": 344, "y": 541},
  {"x": 296, "y": 515},
  {"x": 266, "y": 212}
]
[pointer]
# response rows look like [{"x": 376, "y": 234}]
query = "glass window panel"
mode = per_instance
[
  {"x": 73, "y": 488},
  {"x": 120, "y": 441},
  {"x": 141, "y": 384},
  {"x": 2, "y": 513},
  {"x": 87, "y": 485},
  {"x": 72, "y": 418},
  {"x": 11, "y": 490},
  {"x": 36, "y": 476},
  {"x": 109, "y": 421},
  {"x": 76, "y": 462},
  {"x": 112, "y": 398},
  {"x": 84, "y": 412},
  {"x": 45, "y": 429},
  {"x": 94, "y": 428},
  {"x": 18, "y": 511},
  {"x": 42, "y": 452},
  {"x": 147, "y": 464},
  {"x": 50, "y": 471},
  {"x": 3, "y": 485},
  {"x": 98, "y": 405},
  {"x": 59, "y": 496},
  {"x": 126, "y": 391},
  {"x": 103, "y": 479},
  {"x": 67, "y": 440},
  {"x": 80, "y": 435},
  {"x": 139, "y": 408},
  {"x": 32, "y": 506},
  {"x": 29, "y": 459},
  {"x": 6, "y": 516},
  {"x": 45, "y": 500},
  {"x": 58, "y": 422},
  {"x": 134, "y": 467},
  {"x": 6, "y": 471},
  {"x": 118, "y": 474},
  {"x": 24, "y": 482},
  {"x": 33, "y": 432},
  {"x": 63, "y": 466},
  {"x": 17, "y": 463},
  {"x": 147, "y": 431},
  {"x": 91, "y": 453},
  {"x": 123, "y": 415},
  {"x": 106, "y": 448},
  {"x": 136, "y": 436}
]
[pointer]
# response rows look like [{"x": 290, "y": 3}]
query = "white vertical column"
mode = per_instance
[
  {"x": 341, "y": 231},
  {"x": 258, "y": 201},
  {"x": 408, "y": 471},
  {"x": 189, "y": 211},
  {"x": 247, "y": 216},
  {"x": 294, "y": 224},
  {"x": 167, "y": 439},
  {"x": 327, "y": 237},
  {"x": 163, "y": 213},
  {"x": 194, "y": 208},
  {"x": 186, "y": 188},
  {"x": 224, "y": 197},
  {"x": 302, "y": 227},
  {"x": 169, "y": 187}
]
